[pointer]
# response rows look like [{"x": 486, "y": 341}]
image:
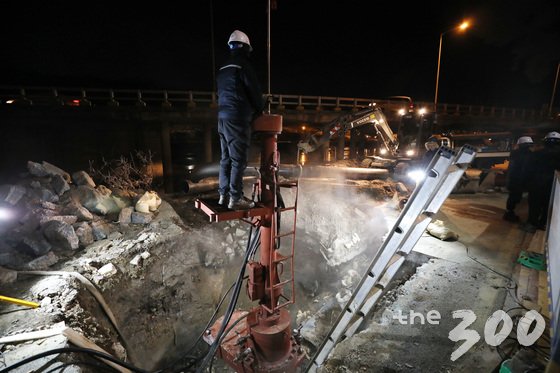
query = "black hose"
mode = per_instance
[
  {"x": 74, "y": 349},
  {"x": 210, "y": 321},
  {"x": 233, "y": 302}
]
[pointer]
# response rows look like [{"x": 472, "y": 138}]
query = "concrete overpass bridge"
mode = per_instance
[{"x": 72, "y": 126}]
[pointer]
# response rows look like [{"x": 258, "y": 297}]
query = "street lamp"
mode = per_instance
[
  {"x": 553, "y": 91},
  {"x": 462, "y": 27}
]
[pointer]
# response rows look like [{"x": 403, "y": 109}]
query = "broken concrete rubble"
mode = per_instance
[{"x": 51, "y": 212}]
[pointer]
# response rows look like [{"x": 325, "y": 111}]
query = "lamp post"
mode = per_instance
[
  {"x": 463, "y": 26},
  {"x": 553, "y": 91}
]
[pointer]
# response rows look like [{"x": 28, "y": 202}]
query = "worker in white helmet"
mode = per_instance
[
  {"x": 516, "y": 180},
  {"x": 240, "y": 101},
  {"x": 541, "y": 167}
]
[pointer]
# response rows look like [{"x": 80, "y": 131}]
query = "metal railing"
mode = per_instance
[{"x": 178, "y": 99}]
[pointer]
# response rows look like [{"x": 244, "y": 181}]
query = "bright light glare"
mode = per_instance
[
  {"x": 417, "y": 175},
  {"x": 5, "y": 214},
  {"x": 409, "y": 153},
  {"x": 465, "y": 25},
  {"x": 302, "y": 158},
  {"x": 10, "y": 101},
  {"x": 402, "y": 111},
  {"x": 422, "y": 111},
  {"x": 383, "y": 151}
]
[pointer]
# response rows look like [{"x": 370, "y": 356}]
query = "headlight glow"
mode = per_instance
[
  {"x": 409, "y": 153},
  {"x": 5, "y": 214},
  {"x": 417, "y": 175},
  {"x": 383, "y": 151}
]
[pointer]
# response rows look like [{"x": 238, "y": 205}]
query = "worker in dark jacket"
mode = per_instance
[
  {"x": 516, "y": 181},
  {"x": 432, "y": 147},
  {"x": 239, "y": 102},
  {"x": 541, "y": 167}
]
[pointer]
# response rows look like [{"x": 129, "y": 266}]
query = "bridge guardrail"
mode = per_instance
[{"x": 180, "y": 99}]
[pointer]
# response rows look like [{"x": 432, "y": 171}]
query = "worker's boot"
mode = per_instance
[
  {"x": 222, "y": 200},
  {"x": 240, "y": 204},
  {"x": 529, "y": 228},
  {"x": 510, "y": 216}
]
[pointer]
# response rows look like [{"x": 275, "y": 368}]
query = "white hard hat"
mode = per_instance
[
  {"x": 239, "y": 37},
  {"x": 524, "y": 140},
  {"x": 552, "y": 136}
]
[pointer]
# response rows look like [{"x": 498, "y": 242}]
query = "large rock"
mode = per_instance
[
  {"x": 53, "y": 170},
  {"x": 59, "y": 184},
  {"x": 140, "y": 218},
  {"x": 61, "y": 234},
  {"x": 84, "y": 233},
  {"x": 100, "y": 230},
  {"x": 43, "y": 194},
  {"x": 68, "y": 219},
  {"x": 125, "y": 216},
  {"x": 37, "y": 243},
  {"x": 43, "y": 263},
  {"x": 74, "y": 208},
  {"x": 8, "y": 254},
  {"x": 83, "y": 178},
  {"x": 95, "y": 201},
  {"x": 12, "y": 193},
  {"x": 36, "y": 169}
]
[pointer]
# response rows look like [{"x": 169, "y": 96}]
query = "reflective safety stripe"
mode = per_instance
[{"x": 226, "y": 66}]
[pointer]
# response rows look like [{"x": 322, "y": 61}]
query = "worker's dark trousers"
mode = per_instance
[
  {"x": 235, "y": 139},
  {"x": 514, "y": 197},
  {"x": 538, "y": 205}
]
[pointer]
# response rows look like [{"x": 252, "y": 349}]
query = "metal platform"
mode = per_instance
[{"x": 218, "y": 213}]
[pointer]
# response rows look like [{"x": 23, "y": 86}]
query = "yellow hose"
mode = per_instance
[{"x": 19, "y": 301}]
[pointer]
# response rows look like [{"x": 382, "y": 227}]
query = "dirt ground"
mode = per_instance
[
  {"x": 145, "y": 292},
  {"x": 163, "y": 280}
]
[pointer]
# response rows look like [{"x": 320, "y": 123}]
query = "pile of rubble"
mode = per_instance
[
  {"x": 50, "y": 213},
  {"x": 65, "y": 241}
]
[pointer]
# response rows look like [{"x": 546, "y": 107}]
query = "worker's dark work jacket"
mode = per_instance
[
  {"x": 517, "y": 170},
  {"x": 517, "y": 175},
  {"x": 540, "y": 175},
  {"x": 239, "y": 93},
  {"x": 239, "y": 102}
]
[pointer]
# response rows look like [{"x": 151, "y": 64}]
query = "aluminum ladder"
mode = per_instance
[{"x": 442, "y": 174}]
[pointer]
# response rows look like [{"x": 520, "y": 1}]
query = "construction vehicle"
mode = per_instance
[
  {"x": 390, "y": 153},
  {"x": 492, "y": 147}
]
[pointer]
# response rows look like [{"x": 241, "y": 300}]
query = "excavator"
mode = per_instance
[{"x": 372, "y": 115}]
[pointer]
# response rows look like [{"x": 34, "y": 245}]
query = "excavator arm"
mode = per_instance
[{"x": 371, "y": 115}]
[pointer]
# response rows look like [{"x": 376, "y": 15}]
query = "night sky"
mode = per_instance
[{"x": 364, "y": 48}]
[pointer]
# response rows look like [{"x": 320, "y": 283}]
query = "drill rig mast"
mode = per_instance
[{"x": 261, "y": 340}]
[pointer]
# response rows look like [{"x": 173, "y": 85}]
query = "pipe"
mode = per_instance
[{"x": 290, "y": 171}]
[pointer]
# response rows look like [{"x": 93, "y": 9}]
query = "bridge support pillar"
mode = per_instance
[
  {"x": 166, "y": 160},
  {"x": 325, "y": 148},
  {"x": 340, "y": 146}
]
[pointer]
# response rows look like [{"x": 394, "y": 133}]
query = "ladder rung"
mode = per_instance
[
  {"x": 282, "y": 209},
  {"x": 285, "y": 234},
  {"x": 282, "y": 258},
  {"x": 292, "y": 184},
  {"x": 280, "y": 284}
]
